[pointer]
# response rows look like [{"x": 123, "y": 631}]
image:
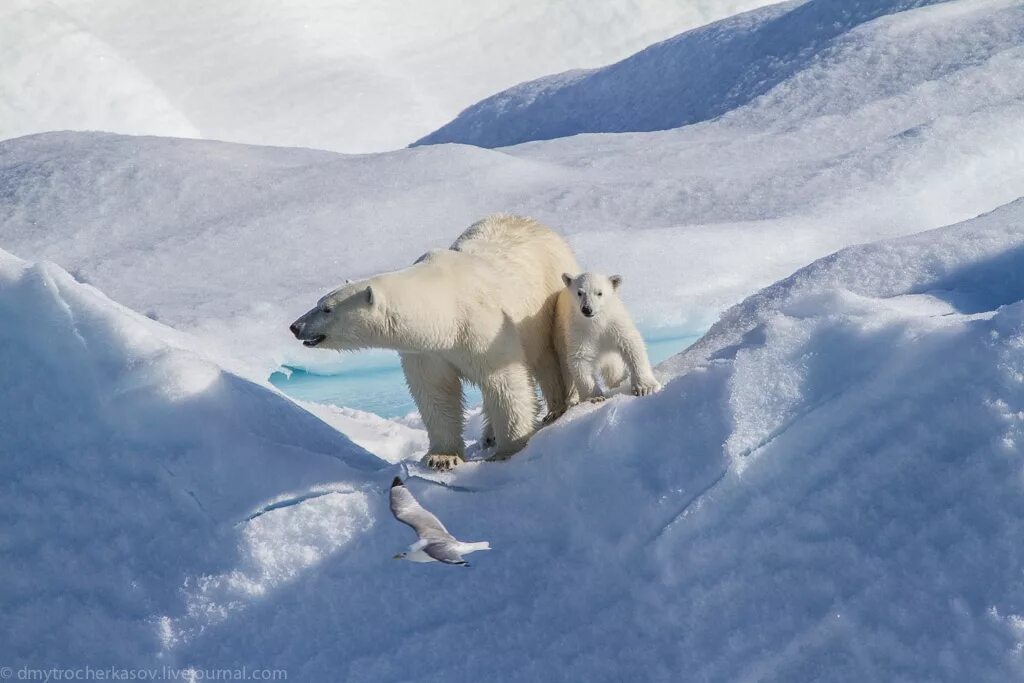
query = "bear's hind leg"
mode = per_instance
[
  {"x": 552, "y": 384},
  {"x": 511, "y": 405},
  {"x": 437, "y": 390}
]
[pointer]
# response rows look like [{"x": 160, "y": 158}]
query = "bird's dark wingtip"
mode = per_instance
[{"x": 396, "y": 482}]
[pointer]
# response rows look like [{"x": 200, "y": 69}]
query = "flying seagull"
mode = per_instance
[{"x": 435, "y": 544}]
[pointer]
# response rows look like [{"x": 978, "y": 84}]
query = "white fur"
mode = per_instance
[
  {"x": 605, "y": 344},
  {"x": 481, "y": 311}
]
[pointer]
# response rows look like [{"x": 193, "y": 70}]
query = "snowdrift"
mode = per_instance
[
  {"x": 349, "y": 76},
  {"x": 136, "y": 473},
  {"x": 885, "y": 120},
  {"x": 832, "y": 491},
  {"x": 703, "y": 215},
  {"x": 794, "y": 60}
]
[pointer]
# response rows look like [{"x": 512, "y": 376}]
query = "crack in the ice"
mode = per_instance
[
  {"x": 295, "y": 500},
  {"x": 696, "y": 499}
]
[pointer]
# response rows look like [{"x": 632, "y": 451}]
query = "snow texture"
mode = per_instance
[
  {"x": 908, "y": 122},
  {"x": 343, "y": 75},
  {"x": 836, "y": 495},
  {"x": 781, "y": 60},
  {"x": 829, "y": 487}
]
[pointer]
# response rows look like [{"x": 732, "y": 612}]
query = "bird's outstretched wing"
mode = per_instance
[
  {"x": 408, "y": 510},
  {"x": 444, "y": 551}
]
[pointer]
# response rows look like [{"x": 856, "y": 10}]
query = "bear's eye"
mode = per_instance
[
  {"x": 599, "y": 294},
  {"x": 326, "y": 309},
  {"x": 580, "y": 293}
]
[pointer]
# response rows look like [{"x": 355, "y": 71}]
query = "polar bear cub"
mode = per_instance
[{"x": 600, "y": 339}]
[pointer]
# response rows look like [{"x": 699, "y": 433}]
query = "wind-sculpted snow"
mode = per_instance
[
  {"x": 784, "y": 63},
  {"x": 131, "y": 461},
  {"x": 833, "y": 492},
  {"x": 837, "y": 498},
  {"x": 229, "y": 241},
  {"x": 892, "y": 125},
  {"x": 973, "y": 267},
  {"x": 348, "y": 76}
]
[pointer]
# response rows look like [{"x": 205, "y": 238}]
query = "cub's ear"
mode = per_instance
[
  {"x": 567, "y": 279},
  {"x": 369, "y": 295},
  {"x": 616, "y": 280}
]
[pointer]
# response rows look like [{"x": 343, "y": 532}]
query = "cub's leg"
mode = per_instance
[
  {"x": 582, "y": 371},
  {"x": 634, "y": 353},
  {"x": 437, "y": 390},
  {"x": 613, "y": 370}
]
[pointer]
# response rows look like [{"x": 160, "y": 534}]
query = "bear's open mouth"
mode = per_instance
[{"x": 315, "y": 340}]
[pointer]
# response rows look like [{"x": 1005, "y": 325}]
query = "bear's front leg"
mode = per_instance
[
  {"x": 511, "y": 405},
  {"x": 437, "y": 390}
]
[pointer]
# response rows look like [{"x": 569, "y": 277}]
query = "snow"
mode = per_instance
[
  {"x": 703, "y": 215},
  {"x": 348, "y": 76},
  {"x": 834, "y": 490},
  {"x": 829, "y": 487},
  {"x": 787, "y": 62},
  {"x": 128, "y": 455}
]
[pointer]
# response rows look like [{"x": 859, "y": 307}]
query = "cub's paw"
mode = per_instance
[
  {"x": 596, "y": 399},
  {"x": 646, "y": 387},
  {"x": 441, "y": 462}
]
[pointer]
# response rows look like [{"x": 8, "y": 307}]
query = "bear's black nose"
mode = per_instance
[
  {"x": 296, "y": 329},
  {"x": 587, "y": 310}
]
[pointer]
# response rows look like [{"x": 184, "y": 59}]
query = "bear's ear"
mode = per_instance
[
  {"x": 369, "y": 295},
  {"x": 567, "y": 279},
  {"x": 616, "y": 280}
]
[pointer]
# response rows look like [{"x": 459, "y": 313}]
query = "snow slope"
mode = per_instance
[
  {"x": 349, "y": 76},
  {"x": 702, "y": 215},
  {"x": 836, "y": 494},
  {"x": 788, "y": 62},
  {"x": 907, "y": 122},
  {"x": 132, "y": 461}
]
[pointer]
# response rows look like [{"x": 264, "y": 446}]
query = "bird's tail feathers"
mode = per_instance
[{"x": 479, "y": 545}]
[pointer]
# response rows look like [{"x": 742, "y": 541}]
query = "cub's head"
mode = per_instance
[
  {"x": 591, "y": 291},
  {"x": 348, "y": 318}
]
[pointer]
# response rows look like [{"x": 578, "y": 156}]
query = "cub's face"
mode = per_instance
[
  {"x": 591, "y": 291},
  {"x": 348, "y": 318}
]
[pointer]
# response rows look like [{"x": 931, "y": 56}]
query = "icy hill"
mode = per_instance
[
  {"x": 907, "y": 122},
  {"x": 786, "y": 63},
  {"x": 832, "y": 492},
  {"x": 132, "y": 462},
  {"x": 350, "y": 76}
]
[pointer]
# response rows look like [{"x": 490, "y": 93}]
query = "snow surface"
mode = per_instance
[
  {"x": 836, "y": 494},
  {"x": 702, "y": 215},
  {"x": 789, "y": 62},
  {"x": 131, "y": 460},
  {"x": 349, "y": 76},
  {"x": 830, "y": 486}
]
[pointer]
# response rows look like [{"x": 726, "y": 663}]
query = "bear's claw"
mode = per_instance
[
  {"x": 552, "y": 416},
  {"x": 437, "y": 461},
  {"x": 499, "y": 457},
  {"x": 646, "y": 388}
]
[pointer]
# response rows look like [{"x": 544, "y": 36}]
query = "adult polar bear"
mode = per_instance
[{"x": 481, "y": 311}]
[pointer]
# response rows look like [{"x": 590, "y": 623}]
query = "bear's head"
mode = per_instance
[
  {"x": 591, "y": 291},
  {"x": 348, "y": 318}
]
